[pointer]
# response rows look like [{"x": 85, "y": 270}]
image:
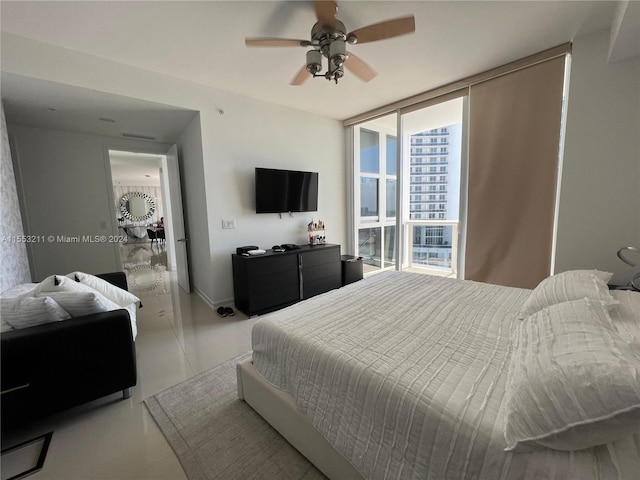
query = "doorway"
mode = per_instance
[{"x": 147, "y": 206}]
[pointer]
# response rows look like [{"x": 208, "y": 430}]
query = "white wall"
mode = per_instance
[
  {"x": 256, "y": 134},
  {"x": 64, "y": 185},
  {"x": 250, "y": 133},
  {"x": 600, "y": 189}
]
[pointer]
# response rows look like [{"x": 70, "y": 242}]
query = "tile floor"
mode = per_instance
[{"x": 179, "y": 335}]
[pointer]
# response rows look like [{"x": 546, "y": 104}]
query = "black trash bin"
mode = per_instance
[{"x": 351, "y": 269}]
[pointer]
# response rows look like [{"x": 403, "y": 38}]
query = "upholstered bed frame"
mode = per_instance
[
  {"x": 408, "y": 376},
  {"x": 278, "y": 408}
]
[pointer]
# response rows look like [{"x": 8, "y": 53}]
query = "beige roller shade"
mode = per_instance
[
  {"x": 458, "y": 88},
  {"x": 514, "y": 139}
]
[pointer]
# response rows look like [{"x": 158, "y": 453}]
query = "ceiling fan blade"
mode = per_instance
[
  {"x": 386, "y": 29},
  {"x": 357, "y": 66},
  {"x": 275, "y": 42},
  {"x": 326, "y": 12},
  {"x": 300, "y": 77}
]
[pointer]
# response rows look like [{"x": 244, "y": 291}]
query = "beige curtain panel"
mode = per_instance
[{"x": 514, "y": 142}]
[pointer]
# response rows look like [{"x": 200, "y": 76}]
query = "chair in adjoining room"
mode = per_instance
[
  {"x": 153, "y": 235},
  {"x": 160, "y": 234}
]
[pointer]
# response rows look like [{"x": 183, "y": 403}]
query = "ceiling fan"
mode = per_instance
[{"x": 329, "y": 38}]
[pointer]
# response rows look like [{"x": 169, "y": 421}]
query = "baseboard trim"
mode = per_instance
[{"x": 211, "y": 303}]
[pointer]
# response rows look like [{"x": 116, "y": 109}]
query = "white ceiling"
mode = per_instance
[
  {"x": 132, "y": 168},
  {"x": 29, "y": 101},
  {"x": 203, "y": 42}
]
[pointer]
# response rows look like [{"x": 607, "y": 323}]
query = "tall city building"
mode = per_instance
[{"x": 434, "y": 192}]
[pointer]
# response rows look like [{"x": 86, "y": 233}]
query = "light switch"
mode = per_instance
[{"x": 228, "y": 224}]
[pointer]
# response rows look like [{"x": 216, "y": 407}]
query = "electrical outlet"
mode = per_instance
[{"x": 228, "y": 224}]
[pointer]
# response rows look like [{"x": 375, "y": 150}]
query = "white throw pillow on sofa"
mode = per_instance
[
  {"x": 79, "y": 299},
  {"x": 17, "y": 291},
  {"x": 24, "y": 312},
  {"x": 573, "y": 382},
  {"x": 115, "y": 294},
  {"x": 79, "y": 304},
  {"x": 60, "y": 283},
  {"x": 76, "y": 298}
]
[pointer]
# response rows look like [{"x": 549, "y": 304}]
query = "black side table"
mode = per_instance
[
  {"x": 622, "y": 287},
  {"x": 351, "y": 269}
]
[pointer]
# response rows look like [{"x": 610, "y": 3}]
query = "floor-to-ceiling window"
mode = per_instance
[
  {"x": 476, "y": 195},
  {"x": 430, "y": 169},
  {"x": 433, "y": 153},
  {"x": 375, "y": 165}
]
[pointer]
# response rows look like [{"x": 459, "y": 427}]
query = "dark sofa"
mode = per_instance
[{"x": 59, "y": 365}]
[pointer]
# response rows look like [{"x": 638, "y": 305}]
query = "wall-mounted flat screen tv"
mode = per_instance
[{"x": 279, "y": 191}]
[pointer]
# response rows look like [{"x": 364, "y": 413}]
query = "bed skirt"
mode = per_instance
[{"x": 278, "y": 408}]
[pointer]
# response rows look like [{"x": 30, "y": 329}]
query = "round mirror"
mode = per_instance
[{"x": 137, "y": 206}]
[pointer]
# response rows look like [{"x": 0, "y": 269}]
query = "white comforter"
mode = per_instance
[{"x": 405, "y": 375}]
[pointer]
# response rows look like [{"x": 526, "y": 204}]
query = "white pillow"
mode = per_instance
[
  {"x": 113, "y": 293},
  {"x": 568, "y": 286},
  {"x": 46, "y": 285},
  {"x": 17, "y": 291},
  {"x": 573, "y": 381},
  {"x": 59, "y": 283},
  {"x": 79, "y": 304},
  {"x": 626, "y": 316},
  {"x": 23, "y": 312},
  {"x": 79, "y": 299}
]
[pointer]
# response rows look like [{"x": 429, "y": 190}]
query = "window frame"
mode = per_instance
[{"x": 381, "y": 220}]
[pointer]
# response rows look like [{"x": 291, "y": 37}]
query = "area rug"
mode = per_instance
[{"x": 217, "y": 436}]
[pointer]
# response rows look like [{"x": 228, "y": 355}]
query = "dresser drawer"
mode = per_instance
[{"x": 319, "y": 256}]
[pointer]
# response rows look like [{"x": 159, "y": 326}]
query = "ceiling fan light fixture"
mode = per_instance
[
  {"x": 335, "y": 74},
  {"x": 329, "y": 39},
  {"x": 314, "y": 62},
  {"x": 338, "y": 52}
]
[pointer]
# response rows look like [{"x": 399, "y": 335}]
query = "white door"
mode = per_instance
[{"x": 175, "y": 222}]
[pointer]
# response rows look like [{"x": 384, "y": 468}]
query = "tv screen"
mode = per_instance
[{"x": 279, "y": 191}]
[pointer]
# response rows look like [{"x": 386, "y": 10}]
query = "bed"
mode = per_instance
[{"x": 405, "y": 375}]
